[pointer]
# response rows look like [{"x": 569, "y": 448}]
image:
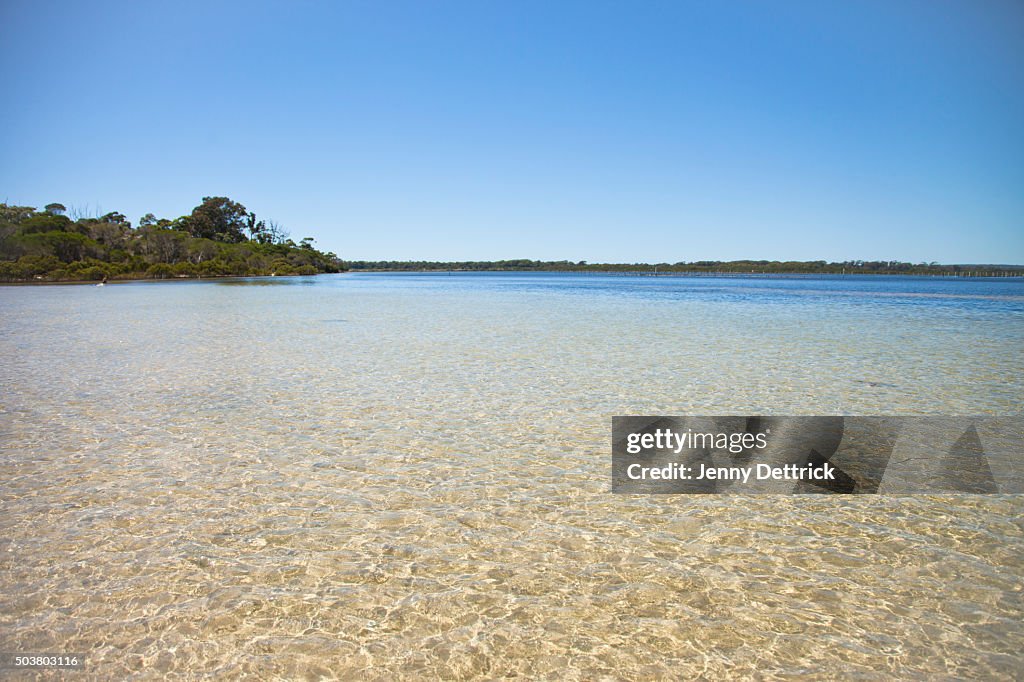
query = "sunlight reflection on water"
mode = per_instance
[{"x": 375, "y": 475}]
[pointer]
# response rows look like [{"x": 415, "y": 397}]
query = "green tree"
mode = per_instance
[
  {"x": 218, "y": 218},
  {"x": 46, "y": 222},
  {"x": 257, "y": 228},
  {"x": 115, "y": 218},
  {"x": 67, "y": 246},
  {"x": 46, "y": 245},
  {"x": 15, "y": 214},
  {"x": 161, "y": 246}
]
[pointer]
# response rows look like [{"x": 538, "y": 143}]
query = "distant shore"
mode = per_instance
[
  {"x": 699, "y": 268},
  {"x": 699, "y": 273},
  {"x": 974, "y": 274}
]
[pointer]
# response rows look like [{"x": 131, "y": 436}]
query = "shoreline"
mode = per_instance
[
  {"x": 127, "y": 280},
  {"x": 610, "y": 273},
  {"x": 694, "y": 273}
]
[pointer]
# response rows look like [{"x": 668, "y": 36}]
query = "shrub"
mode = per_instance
[
  {"x": 38, "y": 265},
  {"x": 184, "y": 269},
  {"x": 46, "y": 222},
  {"x": 212, "y": 268},
  {"x": 160, "y": 271},
  {"x": 93, "y": 273},
  {"x": 11, "y": 271}
]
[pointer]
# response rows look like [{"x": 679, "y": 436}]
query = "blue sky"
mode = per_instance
[{"x": 599, "y": 131}]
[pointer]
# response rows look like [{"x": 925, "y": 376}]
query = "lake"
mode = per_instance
[{"x": 379, "y": 474}]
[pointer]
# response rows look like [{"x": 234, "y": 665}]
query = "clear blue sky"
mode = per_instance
[{"x": 599, "y": 131}]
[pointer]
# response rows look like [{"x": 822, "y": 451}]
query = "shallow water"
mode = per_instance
[{"x": 371, "y": 475}]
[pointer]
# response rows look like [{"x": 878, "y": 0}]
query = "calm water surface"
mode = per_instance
[{"x": 374, "y": 475}]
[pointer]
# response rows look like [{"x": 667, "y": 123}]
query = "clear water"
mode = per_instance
[{"x": 380, "y": 475}]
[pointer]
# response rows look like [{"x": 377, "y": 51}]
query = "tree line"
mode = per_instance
[
  {"x": 220, "y": 237},
  {"x": 762, "y": 267}
]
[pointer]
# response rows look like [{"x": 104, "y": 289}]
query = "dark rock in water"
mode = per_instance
[{"x": 875, "y": 384}]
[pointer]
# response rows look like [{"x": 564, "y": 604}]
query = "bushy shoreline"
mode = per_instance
[
  {"x": 741, "y": 267},
  {"x": 128, "y": 279},
  {"x": 220, "y": 238}
]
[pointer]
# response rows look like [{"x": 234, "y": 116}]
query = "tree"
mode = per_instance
[
  {"x": 67, "y": 246},
  {"x": 165, "y": 246},
  {"x": 218, "y": 218},
  {"x": 46, "y": 222},
  {"x": 15, "y": 214},
  {"x": 10, "y": 218},
  {"x": 111, "y": 230},
  {"x": 200, "y": 250},
  {"x": 115, "y": 218},
  {"x": 257, "y": 228},
  {"x": 56, "y": 209},
  {"x": 275, "y": 233},
  {"x": 49, "y": 245}
]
